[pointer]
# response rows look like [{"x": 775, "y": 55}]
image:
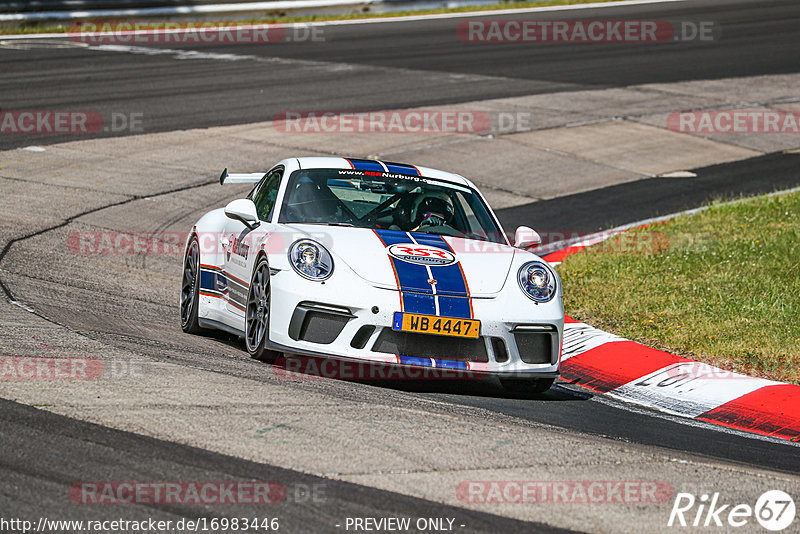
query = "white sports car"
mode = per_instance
[{"x": 374, "y": 261}]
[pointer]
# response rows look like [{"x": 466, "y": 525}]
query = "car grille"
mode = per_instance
[{"x": 430, "y": 346}]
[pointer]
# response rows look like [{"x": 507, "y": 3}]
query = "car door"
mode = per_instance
[{"x": 237, "y": 241}]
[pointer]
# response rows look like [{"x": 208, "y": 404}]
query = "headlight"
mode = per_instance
[
  {"x": 310, "y": 260},
  {"x": 537, "y": 281}
]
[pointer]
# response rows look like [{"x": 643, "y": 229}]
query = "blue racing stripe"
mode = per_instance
[
  {"x": 419, "y": 303},
  {"x": 455, "y": 307},
  {"x": 451, "y": 364},
  {"x": 365, "y": 165},
  {"x": 410, "y": 276},
  {"x": 401, "y": 168},
  {"x": 208, "y": 280},
  {"x": 412, "y": 279},
  {"x": 451, "y": 285},
  {"x": 392, "y": 237},
  {"x": 417, "y": 292},
  {"x": 452, "y": 290},
  {"x": 414, "y": 360},
  {"x": 426, "y": 362},
  {"x": 450, "y": 280},
  {"x": 432, "y": 240}
]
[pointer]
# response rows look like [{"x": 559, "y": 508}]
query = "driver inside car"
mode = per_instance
[{"x": 431, "y": 210}]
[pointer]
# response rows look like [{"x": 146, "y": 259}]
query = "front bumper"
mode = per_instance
[{"x": 354, "y": 322}]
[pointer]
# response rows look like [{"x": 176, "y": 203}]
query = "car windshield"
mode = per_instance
[{"x": 389, "y": 201}]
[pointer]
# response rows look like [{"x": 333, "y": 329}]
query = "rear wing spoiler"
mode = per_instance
[{"x": 243, "y": 178}]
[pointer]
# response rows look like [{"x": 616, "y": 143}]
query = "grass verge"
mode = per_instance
[
  {"x": 721, "y": 286},
  {"x": 31, "y": 28}
]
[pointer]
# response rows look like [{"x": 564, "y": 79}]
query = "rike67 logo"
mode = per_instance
[{"x": 774, "y": 510}]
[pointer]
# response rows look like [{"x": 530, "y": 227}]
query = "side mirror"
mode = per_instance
[
  {"x": 526, "y": 238},
  {"x": 244, "y": 210}
]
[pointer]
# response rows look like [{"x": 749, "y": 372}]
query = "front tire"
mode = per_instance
[
  {"x": 190, "y": 289},
  {"x": 257, "y": 314}
]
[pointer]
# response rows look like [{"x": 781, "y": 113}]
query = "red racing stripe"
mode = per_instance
[
  {"x": 466, "y": 285},
  {"x": 769, "y": 411},
  {"x": 613, "y": 364}
]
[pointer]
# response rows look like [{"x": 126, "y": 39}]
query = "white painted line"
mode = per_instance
[
  {"x": 176, "y": 53},
  {"x": 322, "y": 3},
  {"x": 678, "y": 174}
]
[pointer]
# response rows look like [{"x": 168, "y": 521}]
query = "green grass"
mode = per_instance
[
  {"x": 29, "y": 28},
  {"x": 721, "y": 286}
]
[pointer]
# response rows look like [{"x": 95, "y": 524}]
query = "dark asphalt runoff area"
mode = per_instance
[{"x": 622, "y": 204}]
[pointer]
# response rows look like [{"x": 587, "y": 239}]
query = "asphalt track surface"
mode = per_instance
[
  {"x": 760, "y": 38},
  {"x": 386, "y": 66},
  {"x": 69, "y": 450}
]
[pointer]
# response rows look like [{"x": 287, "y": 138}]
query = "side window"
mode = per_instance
[{"x": 264, "y": 197}]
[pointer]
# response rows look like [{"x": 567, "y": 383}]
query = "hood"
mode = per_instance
[{"x": 388, "y": 259}]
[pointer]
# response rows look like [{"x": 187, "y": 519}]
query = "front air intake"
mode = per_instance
[
  {"x": 499, "y": 349},
  {"x": 318, "y": 323},
  {"x": 536, "y": 343}
]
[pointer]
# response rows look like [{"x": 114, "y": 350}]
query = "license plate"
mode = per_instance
[{"x": 431, "y": 324}]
